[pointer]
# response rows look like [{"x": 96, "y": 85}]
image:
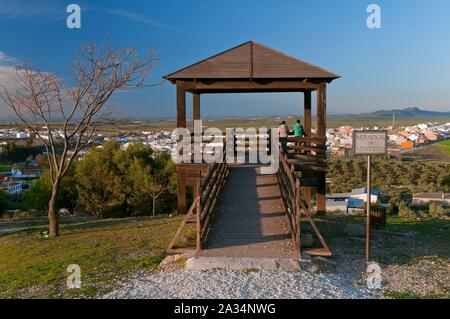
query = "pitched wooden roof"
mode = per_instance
[{"x": 251, "y": 60}]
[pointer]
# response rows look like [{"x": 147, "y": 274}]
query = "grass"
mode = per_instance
[
  {"x": 5, "y": 168},
  {"x": 403, "y": 241},
  {"x": 445, "y": 146},
  {"x": 34, "y": 266},
  {"x": 406, "y": 295}
]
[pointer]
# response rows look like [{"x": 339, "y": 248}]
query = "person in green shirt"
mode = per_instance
[{"x": 298, "y": 129}]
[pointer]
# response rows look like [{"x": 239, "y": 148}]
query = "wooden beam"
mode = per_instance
[
  {"x": 230, "y": 85},
  {"x": 183, "y": 223},
  {"x": 181, "y": 104},
  {"x": 248, "y": 90},
  {"x": 198, "y": 194}
]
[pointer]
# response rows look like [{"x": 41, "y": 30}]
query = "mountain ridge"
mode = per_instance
[{"x": 409, "y": 112}]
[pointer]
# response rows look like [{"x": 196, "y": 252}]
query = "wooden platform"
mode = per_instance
[{"x": 250, "y": 220}]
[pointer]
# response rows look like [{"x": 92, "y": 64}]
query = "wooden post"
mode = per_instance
[
  {"x": 307, "y": 128},
  {"x": 321, "y": 132},
  {"x": 181, "y": 123},
  {"x": 181, "y": 104},
  {"x": 181, "y": 191},
  {"x": 368, "y": 204},
  {"x": 196, "y": 106},
  {"x": 307, "y": 114},
  {"x": 197, "y": 135}
]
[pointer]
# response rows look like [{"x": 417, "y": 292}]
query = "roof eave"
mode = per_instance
[{"x": 174, "y": 79}]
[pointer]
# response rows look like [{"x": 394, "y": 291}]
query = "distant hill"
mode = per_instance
[{"x": 410, "y": 112}]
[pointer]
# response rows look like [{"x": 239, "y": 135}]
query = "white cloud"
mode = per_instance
[
  {"x": 8, "y": 78},
  {"x": 20, "y": 9},
  {"x": 4, "y": 58},
  {"x": 139, "y": 18},
  {"x": 14, "y": 9},
  {"x": 8, "y": 74}
]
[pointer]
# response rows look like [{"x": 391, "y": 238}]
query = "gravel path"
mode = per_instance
[{"x": 191, "y": 284}]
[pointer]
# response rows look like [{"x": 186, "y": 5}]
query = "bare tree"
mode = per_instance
[{"x": 65, "y": 117}]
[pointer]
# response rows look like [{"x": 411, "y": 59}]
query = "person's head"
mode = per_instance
[
  {"x": 298, "y": 121},
  {"x": 283, "y": 123}
]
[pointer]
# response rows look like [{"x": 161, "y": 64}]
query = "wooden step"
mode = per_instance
[{"x": 317, "y": 252}]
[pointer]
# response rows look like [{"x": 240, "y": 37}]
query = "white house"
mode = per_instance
[
  {"x": 361, "y": 193},
  {"x": 427, "y": 198},
  {"x": 12, "y": 187},
  {"x": 21, "y": 135}
]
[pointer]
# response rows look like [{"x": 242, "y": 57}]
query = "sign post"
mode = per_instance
[
  {"x": 373, "y": 142},
  {"x": 368, "y": 204}
]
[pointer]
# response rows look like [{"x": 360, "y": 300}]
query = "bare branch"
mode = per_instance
[{"x": 40, "y": 99}]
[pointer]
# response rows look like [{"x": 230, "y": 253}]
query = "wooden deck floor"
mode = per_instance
[{"x": 250, "y": 220}]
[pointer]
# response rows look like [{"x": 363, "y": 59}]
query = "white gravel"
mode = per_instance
[{"x": 210, "y": 284}]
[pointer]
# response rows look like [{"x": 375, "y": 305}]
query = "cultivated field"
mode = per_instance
[
  {"x": 257, "y": 122},
  {"x": 439, "y": 152}
]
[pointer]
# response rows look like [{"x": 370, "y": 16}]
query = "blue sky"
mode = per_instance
[{"x": 405, "y": 63}]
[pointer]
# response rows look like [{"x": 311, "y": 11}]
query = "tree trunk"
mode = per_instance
[
  {"x": 154, "y": 206},
  {"x": 53, "y": 216}
]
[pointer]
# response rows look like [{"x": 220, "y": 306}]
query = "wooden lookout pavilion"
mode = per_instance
[{"x": 252, "y": 68}]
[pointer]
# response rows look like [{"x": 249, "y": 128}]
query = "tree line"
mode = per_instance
[
  {"x": 13, "y": 153},
  {"x": 389, "y": 176},
  {"x": 112, "y": 182}
]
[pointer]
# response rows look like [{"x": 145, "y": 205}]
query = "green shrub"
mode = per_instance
[
  {"x": 37, "y": 213},
  {"x": 422, "y": 214},
  {"x": 435, "y": 210},
  {"x": 19, "y": 214},
  {"x": 38, "y": 196},
  {"x": 405, "y": 212},
  {"x": 113, "y": 182},
  {"x": 390, "y": 209}
]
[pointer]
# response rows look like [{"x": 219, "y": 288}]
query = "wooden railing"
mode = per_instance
[
  {"x": 295, "y": 205},
  {"x": 289, "y": 195},
  {"x": 203, "y": 207},
  {"x": 208, "y": 196},
  {"x": 307, "y": 153},
  {"x": 239, "y": 144}
]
